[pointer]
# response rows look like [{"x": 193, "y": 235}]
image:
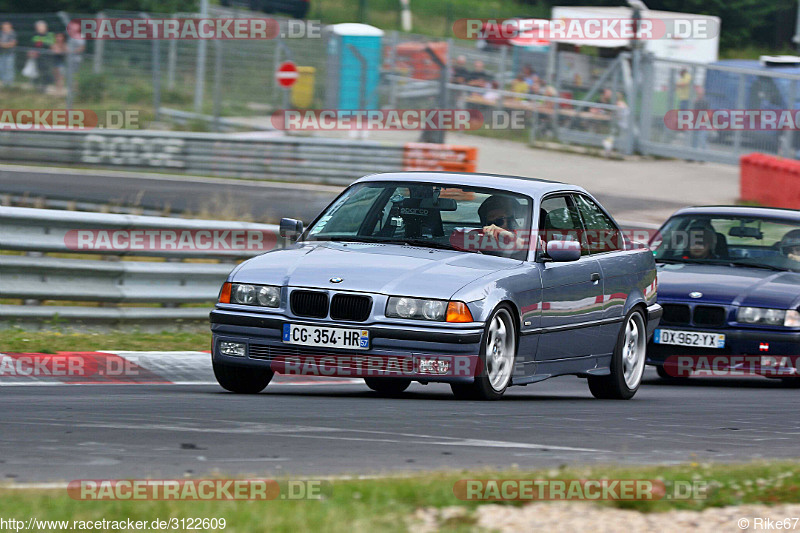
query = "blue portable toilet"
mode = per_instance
[{"x": 345, "y": 75}]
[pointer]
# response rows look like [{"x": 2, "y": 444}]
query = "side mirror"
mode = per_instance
[
  {"x": 563, "y": 251},
  {"x": 291, "y": 228}
]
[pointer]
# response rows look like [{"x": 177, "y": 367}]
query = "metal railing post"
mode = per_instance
[
  {"x": 172, "y": 58},
  {"x": 200, "y": 68},
  {"x": 737, "y": 135},
  {"x": 97, "y": 60},
  {"x": 217, "y": 82}
]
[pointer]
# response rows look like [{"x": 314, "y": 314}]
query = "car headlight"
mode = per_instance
[
  {"x": 247, "y": 294},
  {"x": 792, "y": 319},
  {"x": 422, "y": 309},
  {"x": 768, "y": 317},
  {"x": 269, "y": 296}
]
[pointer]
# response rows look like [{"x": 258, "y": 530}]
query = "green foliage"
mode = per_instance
[
  {"x": 93, "y": 6},
  {"x": 91, "y": 87}
]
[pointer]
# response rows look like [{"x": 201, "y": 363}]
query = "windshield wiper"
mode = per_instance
[
  {"x": 341, "y": 239},
  {"x": 409, "y": 242},
  {"x": 422, "y": 243},
  {"x": 756, "y": 265}
]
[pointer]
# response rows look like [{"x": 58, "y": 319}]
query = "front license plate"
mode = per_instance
[
  {"x": 351, "y": 339},
  {"x": 695, "y": 339}
]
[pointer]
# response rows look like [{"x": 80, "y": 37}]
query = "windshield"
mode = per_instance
[
  {"x": 739, "y": 241},
  {"x": 424, "y": 214}
]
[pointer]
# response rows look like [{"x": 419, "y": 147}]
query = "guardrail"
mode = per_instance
[
  {"x": 111, "y": 292},
  {"x": 278, "y": 158}
]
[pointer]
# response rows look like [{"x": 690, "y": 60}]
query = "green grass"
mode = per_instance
[
  {"x": 386, "y": 504},
  {"x": 19, "y": 340}
]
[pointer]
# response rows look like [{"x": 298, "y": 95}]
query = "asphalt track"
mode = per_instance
[
  {"x": 66, "y": 432},
  {"x": 259, "y": 200}
]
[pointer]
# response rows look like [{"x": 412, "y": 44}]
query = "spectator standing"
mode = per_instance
[
  {"x": 42, "y": 40},
  {"x": 700, "y": 137},
  {"x": 59, "y": 53},
  {"x": 682, "y": 89},
  {"x": 76, "y": 46},
  {"x": 8, "y": 42}
]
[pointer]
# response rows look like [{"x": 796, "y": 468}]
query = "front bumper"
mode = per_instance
[
  {"x": 654, "y": 314},
  {"x": 743, "y": 353},
  {"x": 395, "y": 351}
]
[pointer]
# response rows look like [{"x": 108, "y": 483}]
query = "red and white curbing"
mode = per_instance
[{"x": 125, "y": 368}]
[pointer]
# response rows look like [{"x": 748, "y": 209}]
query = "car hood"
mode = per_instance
[
  {"x": 729, "y": 285},
  {"x": 371, "y": 267}
]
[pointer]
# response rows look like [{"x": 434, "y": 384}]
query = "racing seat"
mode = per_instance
[{"x": 418, "y": 220}]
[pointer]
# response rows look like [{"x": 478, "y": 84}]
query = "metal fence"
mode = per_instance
[
  {"x": 101, "y": 287},
  {"x": 190, "y": 81},
  {"x": 670, "y": 85}
]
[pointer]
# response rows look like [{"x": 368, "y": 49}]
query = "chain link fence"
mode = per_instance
[{"x": 614, "y": 103}]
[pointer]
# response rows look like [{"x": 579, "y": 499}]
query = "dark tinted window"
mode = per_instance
[
  {"x": 602, "y": 234},
  {"x": 559, "y": 220}
]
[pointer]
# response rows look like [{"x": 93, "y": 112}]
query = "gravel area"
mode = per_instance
[{"x": 580, "y": 517}]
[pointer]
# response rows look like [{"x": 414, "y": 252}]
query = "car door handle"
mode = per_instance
[{"x": 595, "y": 276}]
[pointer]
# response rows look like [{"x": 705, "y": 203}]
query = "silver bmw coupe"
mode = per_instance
[{"x": 479, "y": 281}]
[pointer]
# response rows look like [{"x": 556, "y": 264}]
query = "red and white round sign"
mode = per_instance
[{"x": 287, "y": 74}]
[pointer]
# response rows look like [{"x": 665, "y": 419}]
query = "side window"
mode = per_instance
[
  {"x": 559, "y": 220},
  {"x": 602, "y": 234}
]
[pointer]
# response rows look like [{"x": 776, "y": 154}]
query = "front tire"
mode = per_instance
[
  {"x": 498, "y": 353},
  {"x": 663, "y": 374},
  {"x": 791, "y": 383},
  {"x": 242, "y": 380},
  {"x": 627, "y": 363},
  {"x": 388, "y": 386}
]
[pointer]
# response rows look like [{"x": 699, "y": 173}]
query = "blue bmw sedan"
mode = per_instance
[
  {"x": 729, "y": 285},
  {"x": 475, "y": 280}
]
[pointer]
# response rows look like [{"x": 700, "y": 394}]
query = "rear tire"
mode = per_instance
[
  {"x": 663, "y": 374},
  {"x": 627, "y": 363},
  {"x": 388, "y": 386},
  {"x": 240, "y": 379},
  {"x": 498, "y": 353}
]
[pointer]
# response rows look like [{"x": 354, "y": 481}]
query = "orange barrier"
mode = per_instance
[
  {"x": 770, "y": 181},
  {"x": 425, "y": 156}
]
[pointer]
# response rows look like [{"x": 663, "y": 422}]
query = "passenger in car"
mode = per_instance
[{"x": 790, "y": 245}]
